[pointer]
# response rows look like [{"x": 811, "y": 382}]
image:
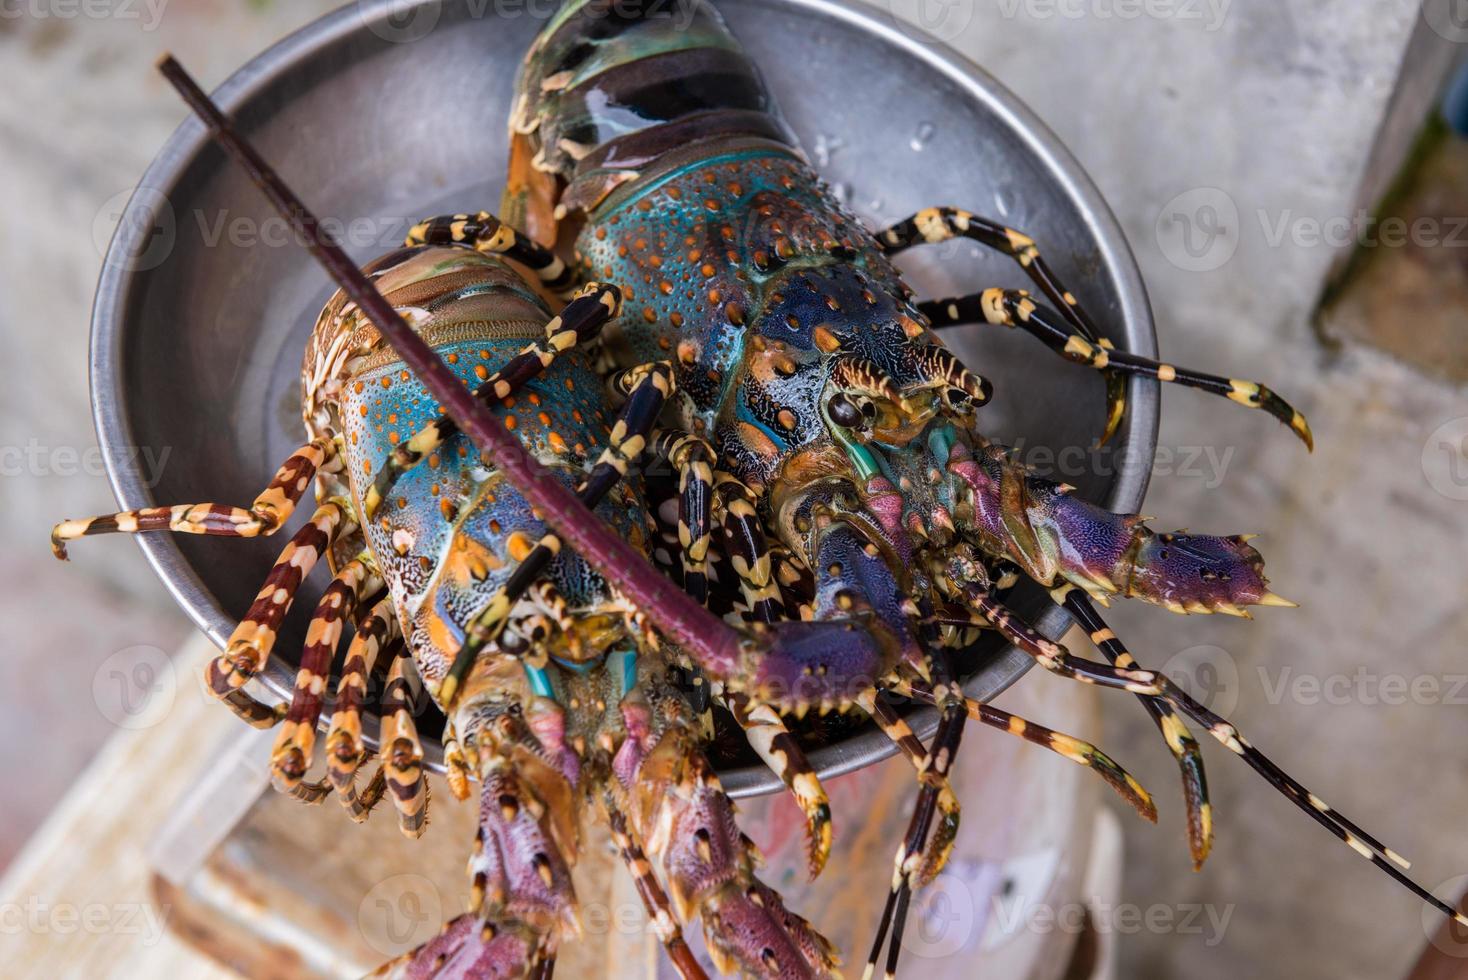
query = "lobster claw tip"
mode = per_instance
[{"x": 1275, "y": 599}]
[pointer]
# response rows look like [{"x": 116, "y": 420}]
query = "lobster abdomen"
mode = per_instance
[{"x": 610, "y": 91}]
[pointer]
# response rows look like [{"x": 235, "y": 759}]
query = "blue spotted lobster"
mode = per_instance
[{"x": 834, "y": 500}]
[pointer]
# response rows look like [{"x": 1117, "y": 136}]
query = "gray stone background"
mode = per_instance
[{"x": 1270, "y": 106}]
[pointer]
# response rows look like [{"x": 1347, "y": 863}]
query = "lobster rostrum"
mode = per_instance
[{"x": 843, "y": 436}]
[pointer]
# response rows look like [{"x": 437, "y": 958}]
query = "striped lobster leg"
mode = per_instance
[
  {"x": 1180, "y": 741},
  {"x": 1015, "y": 308},
  {"x": 401, "y": 751},
  {"x": 593, "y": 306},
  {"x": 654, "y": 899},
  {"x": 271, "y": 509},
  {"x": 693, "y": 460},
  {"x": 345, "y": 750},
  {"x": 249, "y": 645},
  {"x": 1067, "y": 746},
  {"x": 776, "y": 746},
  {"x": 748, "y": 549},
  {"x": 1149, "y": 683},
  {"x": 295, "y": 743},
  {"x": 941, "y": 224},
  {"x": 485, "y": 233}
]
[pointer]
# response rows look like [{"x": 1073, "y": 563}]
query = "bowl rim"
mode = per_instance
[{"x": 118, "y": 283}]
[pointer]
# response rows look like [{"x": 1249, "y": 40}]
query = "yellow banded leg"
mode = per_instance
[
  {"x": 295, "y": 743},
  {"x": 774, "y": 744},
  {"x": 747, "y": 549},
  {"x": 1015, "y": 308},
  {"x": 271, "y": 509},
  {"x": 401, "y": 751},
  {"x": 941, "y": 224},
  {"x": 249, "y": 645},
  {"x": 345, "y": 750}
]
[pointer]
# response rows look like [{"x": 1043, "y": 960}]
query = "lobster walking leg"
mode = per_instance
[
  {"x": 774, "y": 744},
  {"x": 249, "y": 645},
  {"x": 648, "y": 387},
  {"x": 401, "y": 751},
  {"x": 693, "y": 459},
  {"x": 296, "y": 740},
  {"x": 271, "y": 508},
  {"x": 749, "y": 552},
  {"x": 914, "y": 863},
  {"x": 1055, "y": 658},
  {"x": 345, "y": 751},
  {"x": 590, "y": 310},
  {"x": 654, "y": 899},
  {"x": 1015, "y": 308},
  {"x": 483, "y": 232},
  {"x": 1068, "y": 746},
  {"x": 940, "y": 224},
  {"x": 1175, "y": 732}
]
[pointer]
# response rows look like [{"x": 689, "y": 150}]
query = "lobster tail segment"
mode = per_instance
[{"x": 611, "y": 90}]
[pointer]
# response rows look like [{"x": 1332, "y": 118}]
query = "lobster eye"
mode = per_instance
[{"x": 844, "y": 411}]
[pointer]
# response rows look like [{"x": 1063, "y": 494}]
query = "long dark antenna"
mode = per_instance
[{"x": 703, "y": 636}]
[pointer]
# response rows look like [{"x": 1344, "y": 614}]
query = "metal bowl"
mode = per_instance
[{"x": 385, "y": 112}]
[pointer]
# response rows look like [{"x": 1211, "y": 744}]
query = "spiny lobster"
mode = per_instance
[
  {"x": 899, "y": 525},
  {"x": 835, "y": 414}
]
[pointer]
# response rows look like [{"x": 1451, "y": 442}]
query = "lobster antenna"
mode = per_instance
[{"x": 707, "y": 639}]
